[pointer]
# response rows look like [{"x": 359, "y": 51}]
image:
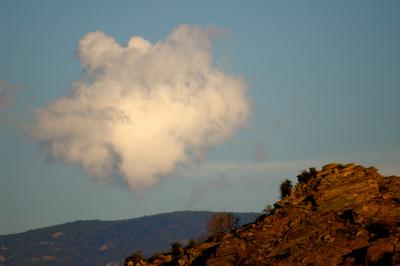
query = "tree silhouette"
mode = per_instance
[
  {"x": 285, "y": 188},
  {"x": 220, "y": 223}
]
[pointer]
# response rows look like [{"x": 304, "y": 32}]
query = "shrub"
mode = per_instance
[
  {"x": 176, "y": 249},
  {"x": 135, "y": 258},
  {"x": 285, "y": 188},
  {"x": 276, "y": 206},
  {"x": 313, "y": 171},
  {"x": 137, "y": 254},
  {"x": 305, "y": 175},
  {"x": 191, "y": 243},
  {"x": 220, "y": 223}
]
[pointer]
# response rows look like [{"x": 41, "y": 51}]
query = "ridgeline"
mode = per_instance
[
  {"x": 97, "y": 242},
  {"x": 341, "y": 215}
]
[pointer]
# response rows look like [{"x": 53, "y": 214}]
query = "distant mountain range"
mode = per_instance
[{"x": 98, "y": 242}]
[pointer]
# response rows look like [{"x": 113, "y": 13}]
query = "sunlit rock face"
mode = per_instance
[{"x": 341, "y": 215}]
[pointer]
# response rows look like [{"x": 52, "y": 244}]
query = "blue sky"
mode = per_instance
[{"x": 323, "y": 80}]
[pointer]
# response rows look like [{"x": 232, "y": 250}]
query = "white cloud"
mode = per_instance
[{"x": 141, "y": 110}]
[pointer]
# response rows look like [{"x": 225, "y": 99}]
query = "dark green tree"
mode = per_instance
[
  {"x": 306, "y": 175},
  {"x": 313, "y": 171},
  {"x": 285, "y": 188},
  {"x": 176, "y": 249}
]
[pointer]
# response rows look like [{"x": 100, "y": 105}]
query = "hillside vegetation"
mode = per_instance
[{"x": 341, "y": 215}]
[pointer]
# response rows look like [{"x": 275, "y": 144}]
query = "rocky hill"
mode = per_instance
[
  {"x": 341, "y": 215},
  {"x": 104, "y": 242}
]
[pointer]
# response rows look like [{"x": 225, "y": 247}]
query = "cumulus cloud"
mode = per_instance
[
  {"x": 143, "y": 109},
  {"x": 6, "y": 95}
]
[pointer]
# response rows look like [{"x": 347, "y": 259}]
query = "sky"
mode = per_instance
[{"x": 210, "y": 107}]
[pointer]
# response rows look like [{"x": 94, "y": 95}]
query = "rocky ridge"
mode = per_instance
[{"x": 341, "y": 215}]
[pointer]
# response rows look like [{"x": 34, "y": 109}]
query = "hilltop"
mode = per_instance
[
  {"x": 341, "y": 215},
  {"x": 98, "y": 242}
]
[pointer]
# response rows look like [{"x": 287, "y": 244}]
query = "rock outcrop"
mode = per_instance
[{"x": 341, "y": 215}]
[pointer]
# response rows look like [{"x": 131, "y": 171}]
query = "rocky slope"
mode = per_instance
[{"x": 341, "y": 215}]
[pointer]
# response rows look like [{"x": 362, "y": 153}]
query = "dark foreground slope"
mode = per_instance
[
  {"x": 103, "y": 242},
  {"x": 342, "y": 215}
]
